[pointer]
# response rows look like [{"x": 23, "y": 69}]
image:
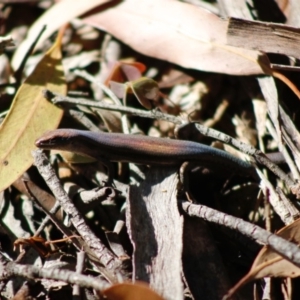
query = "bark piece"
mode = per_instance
[{"x": 155, "y": 229}]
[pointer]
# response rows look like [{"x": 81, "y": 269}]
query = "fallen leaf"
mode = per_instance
[
  {"x": 291, "y": 10},
  {"x": 59, "y": 14},
  {"x": 269, "y": 91},
  {"x": 125, "y": 71},
  {"x": 30, "y": 116},
  {"x": 144, "y": 89},
  {"x": 269, "y": 264},
  {"x": 176, "y": 32},
  {"x": 129, "y": 291}
]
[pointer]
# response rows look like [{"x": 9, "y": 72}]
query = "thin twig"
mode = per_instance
[
  {"x": 272, "y": 197},
  {"x": 247, "y": 149},
  {"x": 79, "y": 269},
  {"x": 104, "y": 255},
  {"x": 283, "y": 247},
  {"x": 293, "y": 211},
  {"x": 102, "y": 86},
  {"x": 155, "y": 114},
  {"x": 152, "y": 114},
  {"x": 284, "y": 151},
  {"x": 28, "y": 271}
]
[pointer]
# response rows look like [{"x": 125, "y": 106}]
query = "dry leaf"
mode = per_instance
[
  {"x": 59, "y": 14},
  {"x": 269, "y": 264},
  {"x": 125, "y": 71},
  {"x": 269, "y": 90},
  {"x": 129, "y": 291},
  {"x": 30, "y": 116},
  {"x": 144, "y": 89},
  {"x": 263, "y": 36},
  {"x": 291, "y": 9},
  {"x": 176, "y": 32},
  {"x": 260, "y": 112}
]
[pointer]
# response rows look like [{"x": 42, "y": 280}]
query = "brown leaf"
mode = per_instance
[
  {"x": 176, "y": 32},
  {"x": 125, "y": 71},
  {"x": 129, "y": 291},
  {"x": 144, "y": 89}
]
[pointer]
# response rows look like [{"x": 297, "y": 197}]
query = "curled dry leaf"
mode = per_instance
[
  {"x": 269, "y": 264},
  {"x": 144, "y": 89},
  {"x": 176, "y": 32},
  {"x": 125, "y": 71},
  {"x": 30, "y": 116}
]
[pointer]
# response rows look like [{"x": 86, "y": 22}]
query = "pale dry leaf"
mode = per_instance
[
  {"x": 269, "y": 90},
  {"x": 260, "y": 111},
  {"x": 59, "y": 14},
  {"x": 176, "y": 32},
  {"x": 235, "y": 8},
  {"x": 291, "y": 10}
]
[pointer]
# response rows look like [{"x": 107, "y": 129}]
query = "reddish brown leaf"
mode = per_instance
[{"x": 129, "y": 291}]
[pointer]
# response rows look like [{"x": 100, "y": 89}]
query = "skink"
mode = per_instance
[{"x": 107, "y": 147}]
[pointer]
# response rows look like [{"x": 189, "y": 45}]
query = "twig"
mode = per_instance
[
  {"x": 50, "y": 214},
  {"x": 82, "y": 118},
  {"x": 289, "y": 129},
  {"x": 271, "y": 196},
  {"x": 155, "y": 114},
  {"x": 105, "y": 257},
  {"x": 28, "y": 271},
  {"x": 247, "y": 149},
  {"x": 102, "y": 86},
  {"x": 293, "y": 211},
  {"x": 283, "y": 150},
  {"x": 53, "y": 211},
  {"x": 79, "y": 270},
  {"x": 283, "y": 247}
]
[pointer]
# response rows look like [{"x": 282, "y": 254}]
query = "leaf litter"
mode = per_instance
[{"x": 192, "y": 63}]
